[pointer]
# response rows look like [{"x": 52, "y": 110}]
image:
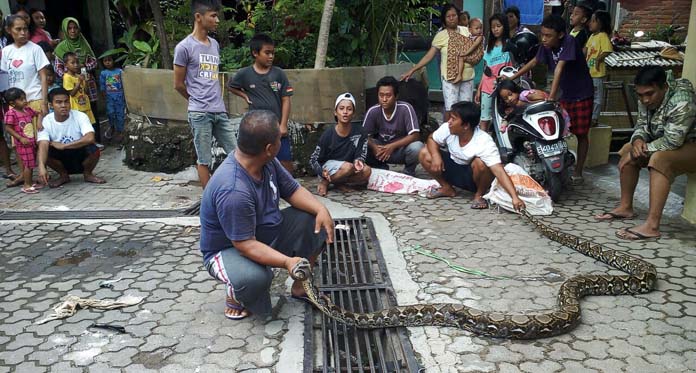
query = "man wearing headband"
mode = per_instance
[{"x": 339, "y": 157}]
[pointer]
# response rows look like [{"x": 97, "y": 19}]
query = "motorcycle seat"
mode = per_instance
[{"x": 540, "y": 107}]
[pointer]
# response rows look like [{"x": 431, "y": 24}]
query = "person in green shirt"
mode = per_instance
[{"x": 664, "y": 141}]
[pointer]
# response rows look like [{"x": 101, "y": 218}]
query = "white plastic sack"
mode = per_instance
[
  {"x": 534, "y": 196},
  {"x": 393, "y": 182}
]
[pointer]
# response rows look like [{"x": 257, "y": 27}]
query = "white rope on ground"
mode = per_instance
[{"x": 73, "y": 303}]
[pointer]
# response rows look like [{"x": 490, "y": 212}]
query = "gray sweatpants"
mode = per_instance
[{"x": 249, "y": 282}]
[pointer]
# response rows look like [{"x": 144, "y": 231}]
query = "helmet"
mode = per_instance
[{"x": 523, "y": 46}]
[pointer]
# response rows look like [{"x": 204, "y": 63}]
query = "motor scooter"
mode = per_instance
[
  {"x": 533, "y": 139},
  {"x": 534, "y": 135}
]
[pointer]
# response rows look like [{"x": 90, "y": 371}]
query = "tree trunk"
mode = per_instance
[
  {"x": 161, "y": 34},
  {"x": 323, "y": 38}
]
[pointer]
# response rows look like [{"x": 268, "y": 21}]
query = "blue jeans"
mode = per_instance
[{"x": 206, "y": 125}]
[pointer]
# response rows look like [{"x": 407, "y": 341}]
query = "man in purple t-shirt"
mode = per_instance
[
  {"x": 391, "y": 126},
  {"x": 244, "y": 233},
  {"x": 562, "y": 54},
  {"x": 196, "y": 71}
]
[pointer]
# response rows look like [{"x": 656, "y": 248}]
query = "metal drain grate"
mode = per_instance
[{"x": 352, "y": 272}]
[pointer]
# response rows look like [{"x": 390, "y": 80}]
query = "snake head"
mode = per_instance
[{"x": 301, "y": 271}]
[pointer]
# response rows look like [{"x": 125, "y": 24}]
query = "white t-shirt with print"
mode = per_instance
[
  {"x": 71, "y": 130},
  {"x": 481, "y": 145},
  {"x": 23, "y": 65}
]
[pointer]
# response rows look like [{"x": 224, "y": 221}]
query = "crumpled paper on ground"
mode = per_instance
[{"x": 72, "y": 303}]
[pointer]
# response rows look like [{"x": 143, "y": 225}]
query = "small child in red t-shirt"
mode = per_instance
[{"x": 18, "y": 123}]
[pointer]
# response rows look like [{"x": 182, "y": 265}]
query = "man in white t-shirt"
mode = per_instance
[
  {"x": 66, "y": 143},
  {"x": 470, "y": 161}
]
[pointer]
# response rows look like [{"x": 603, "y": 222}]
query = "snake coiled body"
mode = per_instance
[{"x": 641, "y": 277}]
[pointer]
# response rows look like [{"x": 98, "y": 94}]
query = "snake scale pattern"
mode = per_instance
[{"x": 641, "y": 278}]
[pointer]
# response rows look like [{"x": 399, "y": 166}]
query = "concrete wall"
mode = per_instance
[
  {"x": 690, "y": 73},
  {"x": 5, "y": 6},
  {"x": 151, "y": 92}
]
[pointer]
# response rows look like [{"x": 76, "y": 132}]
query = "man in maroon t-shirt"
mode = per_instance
[{"x": 391, "y": 126}]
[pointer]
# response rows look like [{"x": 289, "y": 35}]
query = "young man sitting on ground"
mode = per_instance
[
  {"x": 664, "y": 141},
  {"x": 66, "y": 143},
  {"x": 392, "y": 129},
  {"x": 469, "y": 160},
  {"x": 339, "y": 157}
]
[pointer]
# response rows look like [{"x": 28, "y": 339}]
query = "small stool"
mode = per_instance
[{"x": 616, "y": 85}]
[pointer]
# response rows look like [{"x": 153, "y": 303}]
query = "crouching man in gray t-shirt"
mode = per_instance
[
  {"x": 244, "y": 233},
  {"x": 392, "y": 129},
  {"x": 196, "y": 72}
]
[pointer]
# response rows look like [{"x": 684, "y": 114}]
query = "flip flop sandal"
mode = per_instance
[
  {"x": 435, "y": 193},
  {"x": 30, "y": 190},
  {"x": 236, "y": 307},
  {"x": 37, "y": 186},
  {"x": 479, "y": 205},
  {"x": 636, "y": 236},
  {"x": 615, "y": 216}
]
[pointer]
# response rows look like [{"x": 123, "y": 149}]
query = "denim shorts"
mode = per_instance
[
  {"x": 331, "y": 166},
  {"x": 206, "y": 125}
]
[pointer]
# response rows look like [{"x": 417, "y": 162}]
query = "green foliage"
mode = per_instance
[
  {"x": 363, "y": 32},
  {"x": 667, "y": 33},
  {"x": 137, "y": 52}
]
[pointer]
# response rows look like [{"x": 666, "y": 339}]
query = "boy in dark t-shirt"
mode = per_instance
[
  {"x": 562, "y": 54},
  {"x": 339, "y": 157},
  {"x": 266, "y": 87}
]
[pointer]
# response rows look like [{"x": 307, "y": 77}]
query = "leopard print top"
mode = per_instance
[{"x": 456, "y": 46}]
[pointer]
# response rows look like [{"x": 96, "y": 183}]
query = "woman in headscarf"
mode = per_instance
[{"x": 75, "y": 42}]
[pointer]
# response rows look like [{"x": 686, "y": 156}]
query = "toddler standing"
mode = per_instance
[
  {"x": 18, "y": 123},
  {"x": 111, "y": 85}
]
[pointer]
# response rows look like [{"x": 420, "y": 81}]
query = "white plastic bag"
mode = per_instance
[
  {"x": 393, "y": 182},
  {"x": 534, "y": 196}
]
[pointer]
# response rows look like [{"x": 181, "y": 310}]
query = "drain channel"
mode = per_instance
[
  {"x": 193, "y": 210},
  {"x": 352, "y": 272}
]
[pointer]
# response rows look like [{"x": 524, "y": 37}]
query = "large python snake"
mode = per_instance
[{"x": 640, "y": 279}]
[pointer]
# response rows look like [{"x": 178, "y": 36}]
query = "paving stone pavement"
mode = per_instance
[
  {"x": 654, "y": 332},
  {"x": 125, "y": 189},
  {"x": 180, "y": 327}
]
